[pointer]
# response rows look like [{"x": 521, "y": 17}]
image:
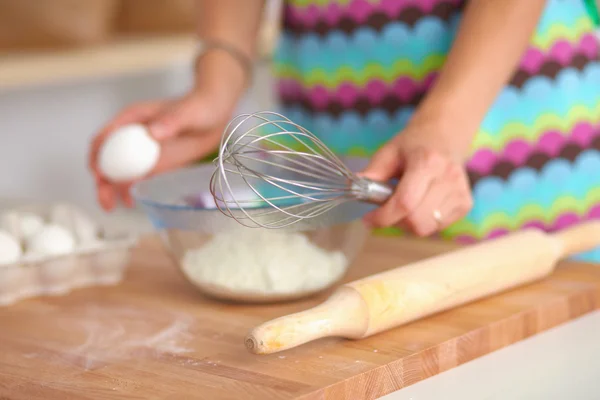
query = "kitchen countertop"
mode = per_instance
[
  {"x": 156, "y": 336},
  {"x": 561, "y": 363}
]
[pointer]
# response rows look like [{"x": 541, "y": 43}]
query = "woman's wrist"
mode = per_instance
[
  {"x": 447, "y": 122},
  {"x": 243, "y": 57},
  {"x": 220, "y": 77}
]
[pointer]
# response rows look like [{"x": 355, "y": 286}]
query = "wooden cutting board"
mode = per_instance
[{"x": 156, "y": 337}]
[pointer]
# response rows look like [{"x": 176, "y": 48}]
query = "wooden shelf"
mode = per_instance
[
  {"x": 126, "y": 55},
  {"x": 123, "y": 56}
]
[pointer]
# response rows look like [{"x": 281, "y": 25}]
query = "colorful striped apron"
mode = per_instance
[{"x": 353, "y": 71}]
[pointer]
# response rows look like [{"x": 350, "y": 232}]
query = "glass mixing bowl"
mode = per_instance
[{"x": 228, "y": 261}]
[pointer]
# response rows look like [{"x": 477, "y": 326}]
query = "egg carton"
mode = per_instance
[{"x": 100, "y": 262}]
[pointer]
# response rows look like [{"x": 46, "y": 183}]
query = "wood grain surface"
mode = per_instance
[{"x": 155, "y": 337}]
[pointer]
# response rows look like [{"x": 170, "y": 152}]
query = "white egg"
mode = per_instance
[
  {"x": 10, "y": 250},
  {"x": 51, "y": 240},
  {"x": 129, "y": 153},
  {"x": 22, "y": 225},
  {"x": 76, "y": 221}
]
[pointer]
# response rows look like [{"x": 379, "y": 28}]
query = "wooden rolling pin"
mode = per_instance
[{"x": 382, "y": 301}]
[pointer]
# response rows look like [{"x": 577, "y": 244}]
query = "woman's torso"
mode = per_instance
[{"x": 353, "y": 71}]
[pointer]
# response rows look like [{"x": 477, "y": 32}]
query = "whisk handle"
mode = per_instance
[{"x": 371, "y": 191}]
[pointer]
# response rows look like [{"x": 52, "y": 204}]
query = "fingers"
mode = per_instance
[
  {"x": 137, "y": 113},
  {"x": 167, "y": 121},
  {"x": 385, "y": 164},
  {"x": 123, "y": 193},
  {"x": 182, "y": 150},
  {"x": 420, "y": 169},
  {"x": 422, "y": 221},
  {"x": 190, "y": 114},
  {"x": 431, "y": 183},
  {"x": 175, "y": 153},
  {"x": 456, "y": 207},
  {"x": 107, "y": 194}
]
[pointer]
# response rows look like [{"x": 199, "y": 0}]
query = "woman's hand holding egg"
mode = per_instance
[
  {"x": 152, "y": 137},
  {"x": 149, "y": 138}
]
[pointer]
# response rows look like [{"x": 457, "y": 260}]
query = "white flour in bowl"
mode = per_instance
[{"x": 264, "y": 261}]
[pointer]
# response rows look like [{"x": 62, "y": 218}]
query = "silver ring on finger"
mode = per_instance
[{"x": 437, "y": 216}]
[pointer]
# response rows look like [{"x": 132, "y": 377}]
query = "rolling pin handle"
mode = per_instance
[
  {"x": 579, "y": 238},
  {"x": 344, "y": 314}
]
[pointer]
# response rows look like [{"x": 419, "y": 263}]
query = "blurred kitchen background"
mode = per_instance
[{"x": 67, "y": 66}]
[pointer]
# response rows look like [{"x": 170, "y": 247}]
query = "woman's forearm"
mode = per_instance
[
  {"x": 232, "y": 21},
  {"x": 488, "y": 47},
  {"x": 235, "y": 23}
]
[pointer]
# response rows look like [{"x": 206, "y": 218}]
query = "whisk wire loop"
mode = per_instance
[{"x": 277, "y": 155}]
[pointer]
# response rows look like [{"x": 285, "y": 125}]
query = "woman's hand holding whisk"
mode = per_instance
[{"x": 433, "y": 190}]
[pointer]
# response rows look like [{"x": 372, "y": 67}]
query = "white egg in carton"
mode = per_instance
[{"x": 52, "y": 249}]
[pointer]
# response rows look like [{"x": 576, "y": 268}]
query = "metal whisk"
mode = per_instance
[{"x": 291, "y": 174}]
